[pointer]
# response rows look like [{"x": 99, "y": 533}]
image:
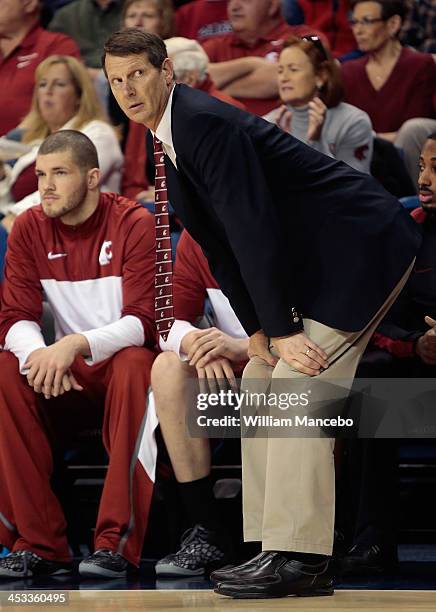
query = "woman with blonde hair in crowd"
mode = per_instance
[
  {"x": 310, "y": 88},
  {"x": 64, "y": 98}
]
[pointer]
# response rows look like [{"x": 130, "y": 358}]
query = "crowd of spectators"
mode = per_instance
[{"x": 336, "y": 75}]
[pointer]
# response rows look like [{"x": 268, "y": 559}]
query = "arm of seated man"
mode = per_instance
[
  {"x": 225, "y": 73},
  {"x": 209, "y": 344},
  {"x": 204, "y": 347},
  {"x": 260, "y": 83},
  {"x": 49, "y": 368}
]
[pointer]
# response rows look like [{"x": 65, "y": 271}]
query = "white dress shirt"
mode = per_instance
[{"x": 164, "y": 133}]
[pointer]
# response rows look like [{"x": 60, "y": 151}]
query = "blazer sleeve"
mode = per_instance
[{"x": 225, "y": 160}]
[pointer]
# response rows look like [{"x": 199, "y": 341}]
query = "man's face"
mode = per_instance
[
  {"x": 11, "y": 13},
  {"x": 248, "y": 15},
  {"x": 427, "y": 176},
  {"x": 62, "y": 185},
  {"x": 140, "y": 89}
]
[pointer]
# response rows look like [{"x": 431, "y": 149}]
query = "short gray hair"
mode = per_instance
[{"x": 187, "y": 54}]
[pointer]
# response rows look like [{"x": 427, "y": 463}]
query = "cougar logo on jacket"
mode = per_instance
[{"x": 105, "y": 253}]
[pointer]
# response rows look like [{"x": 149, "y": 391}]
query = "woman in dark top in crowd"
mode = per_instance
[
  {"x": 395, "y": 85},
  {"x": 391, "y": 83}
]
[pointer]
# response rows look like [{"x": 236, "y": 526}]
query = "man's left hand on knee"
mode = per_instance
[{"x": 299, "y": 352}]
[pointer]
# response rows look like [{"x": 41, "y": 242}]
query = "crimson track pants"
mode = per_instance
[{"x": 115, "y": 392}]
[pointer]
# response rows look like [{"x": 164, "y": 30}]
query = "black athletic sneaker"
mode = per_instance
[
  {"x": 105, "y": 564},
  {"x": 369, "y": 559},
  {"x": 24, "y": 563},
  {"x": 198, "y": 554}
]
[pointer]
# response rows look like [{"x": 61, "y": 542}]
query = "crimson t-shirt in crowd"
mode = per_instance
[
  {"x": 332, "y": 19},
  {"x": 229, "y": 46},
  {"x": 408, "y": 92},
  {"x": 17, "y": 72},
  {"x": 202, "y": 19}
]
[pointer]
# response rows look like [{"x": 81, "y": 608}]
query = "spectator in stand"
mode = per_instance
[
  {"x": 191, "y": 66},
  {"x": 89, "y": 22},
  {"x": 64, "y": 98},
  {"x": 243, "y": 62},
  {"x": 92, "y": 255},
  {"x": 219, "y": 352},
  {"x": 393, "y": 84},
  {"x": 156, "y": 17},
  {"x": 329, "y": 17},
  {"x": 419, "y": 30},
  {"x": 310, "y": 88},
  {"x": 23, "y": 45},
  {"x": 202, "y": 19},
  {"x": 405, "y": 347}
]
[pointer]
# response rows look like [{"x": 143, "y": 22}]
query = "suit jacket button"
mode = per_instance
[{"x": 296, "y": 319}]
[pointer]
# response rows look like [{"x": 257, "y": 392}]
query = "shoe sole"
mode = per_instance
[
  {"x": 174, "y": 571},
  {"x": 90, "y": 571},
  {"x": 29, "y": 574},
  {"x": 168, "y": 571},
  {"x": 321, "y": 592}
]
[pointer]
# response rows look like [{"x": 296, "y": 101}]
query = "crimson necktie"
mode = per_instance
[{"x": 163, "y": 305}]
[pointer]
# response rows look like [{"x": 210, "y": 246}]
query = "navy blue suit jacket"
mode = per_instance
[{"x": 283, "y": 226}]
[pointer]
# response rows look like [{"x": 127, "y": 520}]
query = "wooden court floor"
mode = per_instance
[{"x": 207, "y": 601}]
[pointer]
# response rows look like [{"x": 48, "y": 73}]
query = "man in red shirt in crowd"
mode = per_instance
[
  {"x": 202, "y": 19},
  {"x": 23, "y": 45},
  {"x": 92, "y": 254},
  {"x": 243, "y": 62}
]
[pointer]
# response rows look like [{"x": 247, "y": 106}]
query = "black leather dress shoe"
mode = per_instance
[
  {"x": 271, "y": 574},
  {"x": 234, "y": 572},
  {"x": 369, "y": 559}
]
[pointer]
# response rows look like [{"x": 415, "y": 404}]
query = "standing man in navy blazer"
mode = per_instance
[{"x": 310, "y": 252}]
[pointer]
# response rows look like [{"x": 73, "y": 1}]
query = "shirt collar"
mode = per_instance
[
  {"x": 29, "y": 41},
  {"x": 163, "y": 130}
]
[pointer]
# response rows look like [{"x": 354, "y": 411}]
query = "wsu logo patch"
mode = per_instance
[{"x": 105, "y": 253}]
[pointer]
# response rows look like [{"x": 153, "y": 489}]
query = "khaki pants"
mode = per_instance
[{"x": 289, "y": 483}]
